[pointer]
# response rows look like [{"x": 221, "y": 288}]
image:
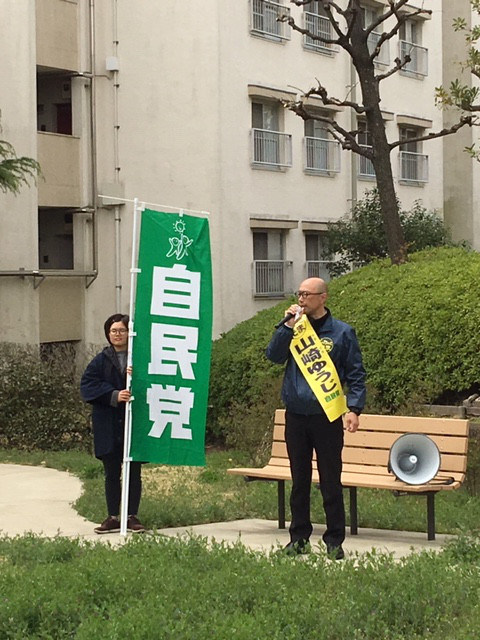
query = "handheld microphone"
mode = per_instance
[{"x": 288, "y": 317}]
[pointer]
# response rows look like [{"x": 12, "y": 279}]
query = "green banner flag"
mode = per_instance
[{"x": 172, "y": 342}]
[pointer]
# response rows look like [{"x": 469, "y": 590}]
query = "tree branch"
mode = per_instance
[
  {"x": 464, "y": 120},
  {"x": 326, "y": 100},
  {"x": 347, "y": 139},
  {"x": 399, "y": 64}
]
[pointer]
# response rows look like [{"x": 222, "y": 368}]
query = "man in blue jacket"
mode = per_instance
[{"x": 318, "y": 350}]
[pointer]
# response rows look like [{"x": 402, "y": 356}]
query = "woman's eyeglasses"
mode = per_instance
[{"x": 118, "y": 332}]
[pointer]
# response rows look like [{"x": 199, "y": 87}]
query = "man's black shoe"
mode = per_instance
[
  {"x": 335, "y": 552},
  {"x": 296, "y": 548}
]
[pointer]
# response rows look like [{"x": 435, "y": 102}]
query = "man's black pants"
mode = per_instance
[
  {"x": 112, "y": 465},
  {"x": 303, "y": 435}
]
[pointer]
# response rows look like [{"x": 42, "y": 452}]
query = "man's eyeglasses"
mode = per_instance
[
  {"x": 305, "y": 294},
  {"x": 118, "y": 332}
]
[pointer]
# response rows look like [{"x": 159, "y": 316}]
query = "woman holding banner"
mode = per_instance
[{"x": 103, "y": 385}]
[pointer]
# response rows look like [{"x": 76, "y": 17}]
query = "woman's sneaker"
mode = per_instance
[
  {"x": 109, "y": 525},
  {"x": 134, "y": 525}
]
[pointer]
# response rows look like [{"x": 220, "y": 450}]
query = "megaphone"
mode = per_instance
[{"x": 414, "y": 458}]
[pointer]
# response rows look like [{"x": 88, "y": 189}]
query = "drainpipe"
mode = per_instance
[
  {"x": 116, "y": 165},
  {"x": 93, "y": 140}
]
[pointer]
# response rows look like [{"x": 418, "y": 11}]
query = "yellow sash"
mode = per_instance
[{"x": 318, "y": 369}]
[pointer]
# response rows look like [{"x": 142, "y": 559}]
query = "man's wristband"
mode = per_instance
[{"x": 355, "y": 410}]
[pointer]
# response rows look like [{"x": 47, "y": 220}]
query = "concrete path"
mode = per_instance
[{"x": 39, "y": 500}]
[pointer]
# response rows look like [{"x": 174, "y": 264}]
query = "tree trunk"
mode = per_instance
[{"x": 365, "y": 68}]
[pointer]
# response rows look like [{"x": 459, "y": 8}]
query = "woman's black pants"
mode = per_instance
[
  {"x": 112, "y": 465},
  {"x": 303, "y": 435}
]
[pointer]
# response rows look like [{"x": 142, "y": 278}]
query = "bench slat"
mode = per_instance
[{"x": 349, "y": 479}]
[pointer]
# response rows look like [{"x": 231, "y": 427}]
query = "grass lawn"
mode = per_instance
[
  {"x": 157, "y": 587},
  {"x": 181, "y": 496}
]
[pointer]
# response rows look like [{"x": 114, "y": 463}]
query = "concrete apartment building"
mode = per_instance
[{"x": 178, "y": 104}]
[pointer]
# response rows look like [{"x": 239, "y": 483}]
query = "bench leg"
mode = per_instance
[
  {"x": 353, "y": 511},
  {"x": 281, "y": 503},
  {"x": 431, "y": 515}
]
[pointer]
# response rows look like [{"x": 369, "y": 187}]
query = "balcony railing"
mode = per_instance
[
  {"x": 321, "y": 155},
  {"x": 270, "y": 277},
  {"x": 271, "y": 148},
  {"x": 383, "y": 56},
  {"x": 413, "y": 167},
  {"x": 265, "y": 19},
  {"x": 365, "y": 165},
  {"x": 418, "y": 64},
  {"x": 318, "y": 26},
  {"x": 318, "y": 269}
]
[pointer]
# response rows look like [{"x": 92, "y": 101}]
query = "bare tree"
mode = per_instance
[{"x": 349, "y": 32}]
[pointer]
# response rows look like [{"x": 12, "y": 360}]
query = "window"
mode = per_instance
[
  {"x": 265, "y": 20},
  {"x": 316, "y": 254},
  {"x": 370, "y": 16},
  {"x": 365, "y": 165},
  {"x": 317, "y": 23},
  {"x": 55, "y": 239},
  {"x": 322, "y": 153},
  {"x": 270, "y": 268},
  {"x": 270, "y": 147},
  {"x": 410, "y": 40},
  {"x": 413, "y": 164}
]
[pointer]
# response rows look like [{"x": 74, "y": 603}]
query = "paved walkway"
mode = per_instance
[{"x": 39, "y": 500}]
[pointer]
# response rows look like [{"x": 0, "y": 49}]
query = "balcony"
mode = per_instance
[
  {"x": 321, "y": 155},
  {"x": 265, "y": 20},
  {"x": 59, "y": 158},
  {"x": 413, "y": 167},
  {"x": 57, "y": 34},
  {"x": 271, "y": 149},
  {"x": 418, "y": 65},
  {"x": 365, "y": 165},
  {"x": 318, "y": 26},
  {"x": 270, "y": 278},
  {"x": 383, "y": 56},
  {"x": 318, "y": 269}
]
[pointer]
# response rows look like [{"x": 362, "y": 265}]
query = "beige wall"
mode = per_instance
[
  {"x": 59, "y": 157},
  {"x": 57, "y": 34},
  {"x": 172, "y": 127},
  {"x": 61, "y": 316},
  {"x": 18, "y": 224},
  {"x": 458, "y": 165}
]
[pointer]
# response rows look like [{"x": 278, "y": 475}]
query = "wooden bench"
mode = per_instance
[{"x": 365, "y": 460}]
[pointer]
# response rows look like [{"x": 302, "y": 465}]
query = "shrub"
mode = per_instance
[
  {"x": 417, "y": 325},
  {"x": 360, "y": 237},
  {"x": 40, "y": 400}
]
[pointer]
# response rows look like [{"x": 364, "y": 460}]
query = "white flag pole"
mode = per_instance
[{"x": 137, "y": 209}]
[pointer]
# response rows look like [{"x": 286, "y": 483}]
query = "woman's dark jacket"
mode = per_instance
[{"x": 101, "y": 378}]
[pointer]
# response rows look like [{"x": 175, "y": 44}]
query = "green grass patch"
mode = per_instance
[
  {"x": 184, "y": 496},
  {"x": 159, "y": 587}
]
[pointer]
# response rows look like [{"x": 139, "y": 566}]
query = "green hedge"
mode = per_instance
[
  {"x": 40, "y": 400},
  {"x": 417, "y": 325}
]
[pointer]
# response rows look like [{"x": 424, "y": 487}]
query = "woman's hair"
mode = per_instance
[{"x": 117, "y": 317}]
